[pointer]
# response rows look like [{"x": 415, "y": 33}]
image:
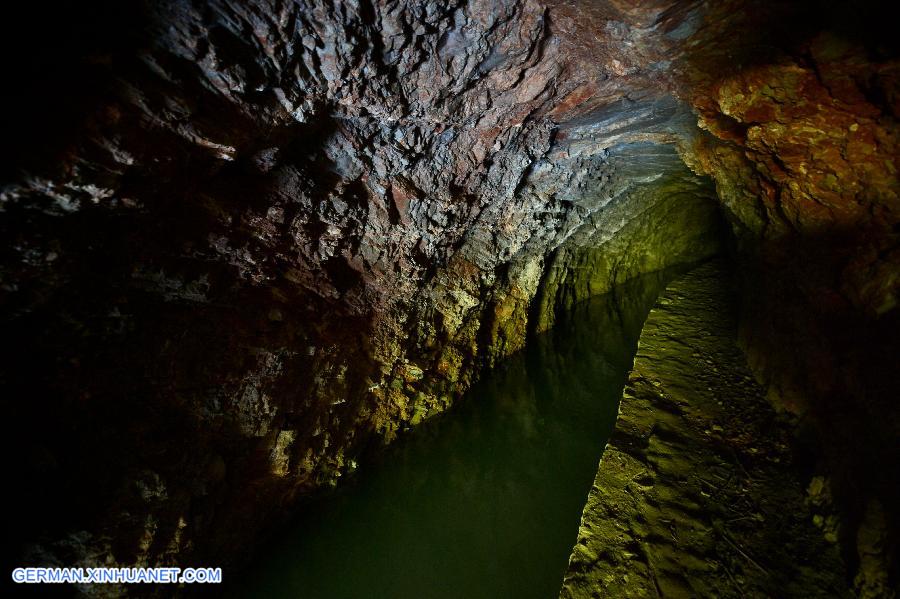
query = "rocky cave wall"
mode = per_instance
[
  {"x": 802, "y": 145},
  {"x": 248, "y": 240}
]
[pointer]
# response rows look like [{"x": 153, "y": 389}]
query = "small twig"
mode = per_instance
[
  {"x": 724, "y": 486},
  {"x": 733, "y": 508},
  {"x": 733, "y": 581},
  {"x": 750, "y": 517},
  {"x": 738, "y": 462},
  {"x": 659, "y": 592},
  {"x": 730, "y": 475},
  {"x": 741, "y": 551},
  {"x": 716, "y": 487}
]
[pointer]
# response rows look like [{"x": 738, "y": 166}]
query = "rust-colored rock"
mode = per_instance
[{"x": 245, "y": 240}]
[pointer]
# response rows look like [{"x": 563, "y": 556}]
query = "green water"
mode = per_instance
[{"x": 482, "y": 501}]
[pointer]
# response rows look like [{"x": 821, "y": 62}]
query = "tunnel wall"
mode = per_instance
[
  {"x": 264, "y": 237},
  {"x": 801, "y": 140},
  {"x": 672, "y": 219},
  {"x": 247, "y": 241}
]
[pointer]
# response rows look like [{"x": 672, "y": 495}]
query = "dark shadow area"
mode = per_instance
[
  {"x": 59, "y": 60},
  {"x": 832, "y": 366}
]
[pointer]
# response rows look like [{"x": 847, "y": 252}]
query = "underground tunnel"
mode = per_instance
[{"x": 479, "y": 298}]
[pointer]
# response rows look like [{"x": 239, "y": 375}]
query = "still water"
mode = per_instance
[{"x": 484, "y": 500}]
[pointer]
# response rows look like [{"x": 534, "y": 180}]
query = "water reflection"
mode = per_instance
[{"x": 483, "y": 501}]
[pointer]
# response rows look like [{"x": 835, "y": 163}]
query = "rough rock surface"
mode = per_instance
[
  {"x": 696, "y": 494},
  {"x": 803, "y": 146},
  {"x": 246, "y": 240},
  {"x": 272, "y": 233}
]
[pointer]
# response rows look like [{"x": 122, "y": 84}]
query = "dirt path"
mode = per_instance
[{"x": 696, "y": 494}]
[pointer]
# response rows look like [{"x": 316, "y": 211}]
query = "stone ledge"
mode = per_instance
[{"x": 696, "y": 493}]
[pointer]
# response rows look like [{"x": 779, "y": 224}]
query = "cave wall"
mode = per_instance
[
  {"x": 272, "y": 234},
  {"x": 801, "y": 140},
  {"x": 248, "y": 240},
  {"x": 678, "y": 222}
]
